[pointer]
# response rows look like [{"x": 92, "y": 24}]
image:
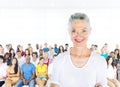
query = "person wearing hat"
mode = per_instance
[{"x": 2, "y": 71}]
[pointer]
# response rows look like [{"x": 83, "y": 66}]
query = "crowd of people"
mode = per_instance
[
  {"x": 29, "y": 67},
  {"x": 113, "y": 63},
  {"x": 63, "y": 66}
]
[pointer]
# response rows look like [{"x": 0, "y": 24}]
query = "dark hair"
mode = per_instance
[
  {"x": 18, "y": 51},
  {"x": 28, "y": 52},
  {"x": 96, "y": 45},
  {"x": 1, "y": 57},
  {"x": 12, "y": 55},
  {"x": 37, "y": 46},
  {"x": 111, "y": 52},
  {"x": 41, "y": 58},
  {"x": 16, "y": 65},
  {"x": 67, "y": 44},
  {"x": 60, "y": 49},
  {"x": 118, "y": 55},
  {"x": 7, "y": 54},
  {"x": 35, "y": 54},
  {"x": 108, "y": 58}
]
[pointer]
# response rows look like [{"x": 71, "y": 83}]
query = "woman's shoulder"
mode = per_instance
[
  {"x": 98, "y": 58},
  {"x": 62, "y": 56}
]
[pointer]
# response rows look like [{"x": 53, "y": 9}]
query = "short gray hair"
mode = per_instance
[{"x": 78, "y": 16}]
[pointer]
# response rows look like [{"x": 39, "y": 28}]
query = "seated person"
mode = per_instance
[
  {"x": 34, "y": 58},
  {"x": 111, "y": 73},
  {"x": 41, "y": 73},
  {"x": 2, "y": 71},
  {"x": 13, "y": 73},
  {"x": 27, "y": 74}
]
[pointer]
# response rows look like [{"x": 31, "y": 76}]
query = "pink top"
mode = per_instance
[
  {"x": 47, "y": 62},
  {"x": 3, "y": 67}
]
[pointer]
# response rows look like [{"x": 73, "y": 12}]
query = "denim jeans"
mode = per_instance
[{"x": 20, "y": 83}]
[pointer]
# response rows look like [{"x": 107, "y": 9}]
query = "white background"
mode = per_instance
[{"x": 40, "y": 21}]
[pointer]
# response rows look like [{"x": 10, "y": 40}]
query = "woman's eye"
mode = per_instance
[
  {"x": 73, "y": 31},
  {"x": 84, "y": 31}
]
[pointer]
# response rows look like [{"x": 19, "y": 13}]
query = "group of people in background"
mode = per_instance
[
  {"x": 21, "y": 67},
  {"x": 29, "y": 67},
  {"x": 113, "y": 63}
]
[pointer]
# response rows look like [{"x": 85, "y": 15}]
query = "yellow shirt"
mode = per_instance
[{"x": 41, "y": 69}]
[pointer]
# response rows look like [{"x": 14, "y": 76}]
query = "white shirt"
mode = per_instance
[
  {"x": 111, "y": 72},
  {"x": 21, "y": 61},
  {"x": 3, "y": 67},
  {"x": 50, "y": 68},
  {"x": 34, "y": 62},
  {"x": 65, "y": 74}
]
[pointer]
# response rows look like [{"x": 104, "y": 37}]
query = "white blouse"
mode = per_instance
[{"x": 111, "y": 72}]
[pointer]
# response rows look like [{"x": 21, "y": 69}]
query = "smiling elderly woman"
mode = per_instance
[{"x": 79, "y": 67}]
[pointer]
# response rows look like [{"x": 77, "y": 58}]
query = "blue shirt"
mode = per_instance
[
  {"x": 27, "y": 70},
  {"x": 56, "y": 50},
  {"x": 105, "y": 55},
  {"x": 45, "y": 49}
]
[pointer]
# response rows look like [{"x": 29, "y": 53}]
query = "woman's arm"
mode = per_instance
[
  {"x": 36, "y": 72},
  {"x": 13, "y": 75},
  {"x": 54, "y": 85}
]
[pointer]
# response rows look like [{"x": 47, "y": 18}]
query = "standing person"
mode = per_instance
[
  {"x": 56, "y": 49},
  {"x": 27, "y": 74},
  {"x": 21, "y": 49},
  {"x": 21, "y": 60},
  {"x": 61, "y": 49},
  {"x": 34, "y": 59},
  {"x": 27, "y": 52},
  {"x": 12, "y": 53},
  {"x": 7, "y": 58},
  {"x": 116, "y": 56},
  {"x": 45, "y": 49},
  {"x": 66, "y": 47},
  {"x": 37, "y": 48},
  {"x": 40, "y": 53},
  {"x": 104, "y": 53},
  {"x": 79, "y": 67},
  {"x": 46, "y": 59}
]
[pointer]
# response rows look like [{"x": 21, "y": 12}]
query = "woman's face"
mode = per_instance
[
  {"x": 13, "y": 61},
  {"x": 110, "y": 60},
  {"x": 41, "y": 61},
  {"x": 26, "y": 52},
  {"x": 6, "y": 56},
  {"x": 45, "y": 55},
  {"x": 117, "y": 51},
  {"x": 79, "y": 32},
  {"x": 61, "y": 48},
  {"x": 34, "y": 56},
  {"x": 12, "y": 51}
]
